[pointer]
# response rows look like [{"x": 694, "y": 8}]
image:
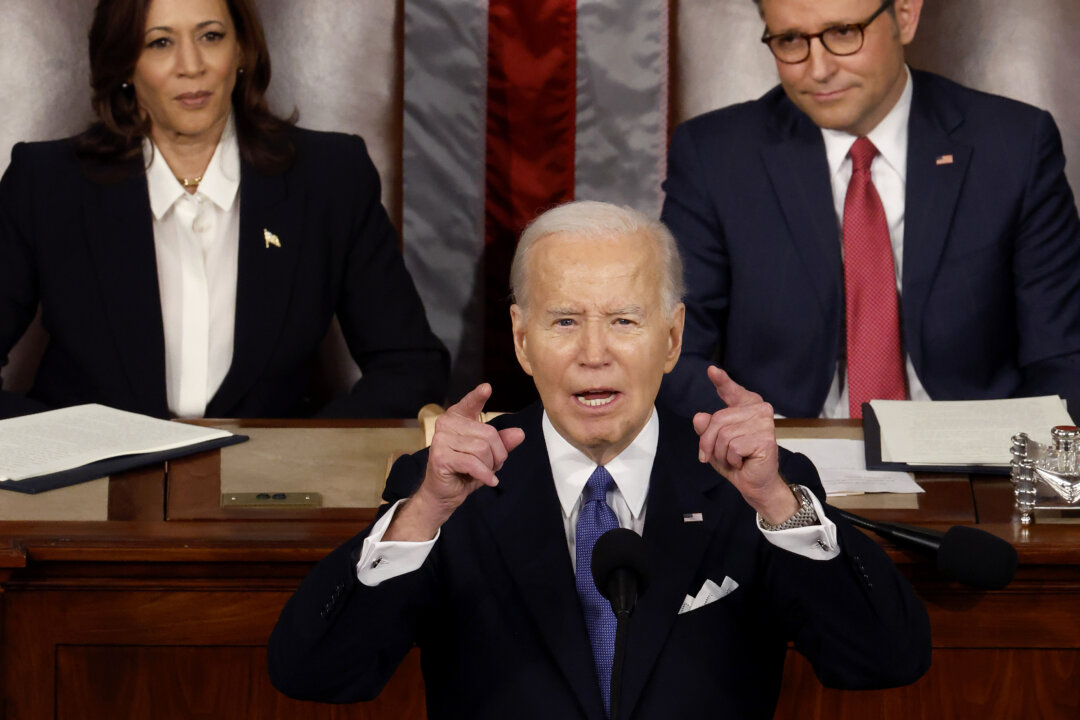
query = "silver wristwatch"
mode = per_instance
[{"x": 803, "y": 517}]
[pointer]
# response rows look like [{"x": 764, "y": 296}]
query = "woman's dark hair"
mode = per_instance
[{"x": 116, "y": 40}]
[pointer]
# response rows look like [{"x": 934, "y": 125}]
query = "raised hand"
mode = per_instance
[
  {"x": 465, "y": 454},
  {"x": 740, "y": 444}
]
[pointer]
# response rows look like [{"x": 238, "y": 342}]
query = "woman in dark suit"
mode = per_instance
[{"x": 190, "y": 249}]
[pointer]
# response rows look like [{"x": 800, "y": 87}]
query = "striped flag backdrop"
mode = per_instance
[{"x": 511, "y": 107}]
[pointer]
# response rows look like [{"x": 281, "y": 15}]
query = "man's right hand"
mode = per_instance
[{"x": 465, "y": 454}]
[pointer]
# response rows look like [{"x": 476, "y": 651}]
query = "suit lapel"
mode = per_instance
[
  {"x": 799, "y": 173},
  {"x": 120, "y": 232},
  {"x": 526, "y": 521},
  {"x": 936, "y": 169},
  {"x": 264, "y": 279},
  {"x": 678, "y": 486}
]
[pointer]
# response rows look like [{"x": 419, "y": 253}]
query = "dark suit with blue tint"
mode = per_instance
[
  {"x": 990, "y": 297},
  {"x": 496, "y": 615}
]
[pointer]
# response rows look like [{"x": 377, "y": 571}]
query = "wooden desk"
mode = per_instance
[
  {"x": 161, "y": 608},
  {"x": 168, "y": 618},
  {"x": 1013, "y": 653}
]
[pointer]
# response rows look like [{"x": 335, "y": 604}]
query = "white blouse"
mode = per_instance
[{"x": 196, "y": 242}]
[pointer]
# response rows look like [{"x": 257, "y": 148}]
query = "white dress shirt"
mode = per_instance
[
  {"x": 570, "y": 468},
  {"x": 889, "y": 174},
  {"x": 196, "y": 242}
]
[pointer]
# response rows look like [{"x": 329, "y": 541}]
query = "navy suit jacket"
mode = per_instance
[
  {"x": 497, "y": 619},
  {"x": 84, "y": 250},
  {"x": 990, "y": 297}
]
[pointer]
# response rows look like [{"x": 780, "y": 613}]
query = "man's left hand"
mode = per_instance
[{"x": 740, "y": 444}]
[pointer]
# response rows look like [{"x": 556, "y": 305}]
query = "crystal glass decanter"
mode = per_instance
[{"x": 1047, "y": 477}]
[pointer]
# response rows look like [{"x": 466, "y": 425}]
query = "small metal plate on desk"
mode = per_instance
[
  {"x": 876, "y": 501},
  {"x": 271, "y": 500},
  {"x": 1065, "y": 515},
  {"x": 347, "y": 465}
]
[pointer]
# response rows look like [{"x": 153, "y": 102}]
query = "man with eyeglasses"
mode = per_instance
[{"x": 868, "y": 231}]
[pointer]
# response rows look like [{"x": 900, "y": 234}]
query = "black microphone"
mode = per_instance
[
  {"x": 968, "y": 555},
  {"x": 621, "y": 570}
]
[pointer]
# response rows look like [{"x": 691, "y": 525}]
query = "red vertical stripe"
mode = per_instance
[{"x": 531, "y": 113}]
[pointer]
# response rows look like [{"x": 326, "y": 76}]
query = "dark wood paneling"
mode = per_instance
[
  {"x": 962, "y": 683},
  {"x": 101, "y": 618},
  {"x": 138, "y": 494},
  {"x": 1030, "y": 613},
  {"x": 196, "y": 647},
  {"x": 167, "y": 683},
  {"x": 83, "y": 634}
]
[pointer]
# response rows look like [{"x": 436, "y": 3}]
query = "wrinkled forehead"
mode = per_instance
[
  {"x": 602, "y": 253},
  {"x": 598, "y": 267}
]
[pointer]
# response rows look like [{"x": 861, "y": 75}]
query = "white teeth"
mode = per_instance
[{"x": 595, "y": 402}]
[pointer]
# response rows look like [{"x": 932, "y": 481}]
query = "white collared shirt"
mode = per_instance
[
  {"x": 570, "y": 469},
  {"x": 889, "y": 175},
  {"x": 630, "y": 469},
  {"x": 196, "y": 242}
]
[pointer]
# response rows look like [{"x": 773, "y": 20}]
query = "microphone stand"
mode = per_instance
[
  {"x": 971, "y": 556},
  {"x": 916, "y": 538},
  {"x": 625, "y": 586},
  {"x": 620, "y": 570}
]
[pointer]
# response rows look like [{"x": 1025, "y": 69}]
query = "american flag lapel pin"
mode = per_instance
[
  {"x": 271, "y": 239},
  {"x": 692, "y": 517},
  {"x": 944, "y": 159}
]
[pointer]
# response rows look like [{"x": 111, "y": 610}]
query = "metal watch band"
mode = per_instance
[{"x": 803, "y": 517}]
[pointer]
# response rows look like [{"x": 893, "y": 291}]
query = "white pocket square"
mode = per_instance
[{"x": 710, "y": 592}]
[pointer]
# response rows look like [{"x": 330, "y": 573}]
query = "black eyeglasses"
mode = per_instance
[{"x": 792, "y": 48}]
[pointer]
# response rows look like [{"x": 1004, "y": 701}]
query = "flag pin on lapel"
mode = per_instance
[
  {"x": 692, "y": 517},
  {"x": 944, "y": 159},
  {"x": 271, "y": 238}
]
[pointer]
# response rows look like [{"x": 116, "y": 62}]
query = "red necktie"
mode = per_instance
[{"x": 875, "y": 364}]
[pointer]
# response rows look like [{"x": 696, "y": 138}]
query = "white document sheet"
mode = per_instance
[
  {"x": 842, "y": 467},
  {"x": 68, "y": 438}
]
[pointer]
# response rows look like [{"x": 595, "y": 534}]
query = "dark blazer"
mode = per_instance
[
  {"x": 84, "y": 250},
  {"x": 990, "y": 298},
  {"x": 501, "y": 633}
]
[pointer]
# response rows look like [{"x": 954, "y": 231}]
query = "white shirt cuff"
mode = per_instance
[
  {"x": 817, "y": 542},
  {"x": 381, "y": 561}
]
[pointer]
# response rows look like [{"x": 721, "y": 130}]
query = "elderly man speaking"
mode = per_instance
[{"x": 481, "y": 554}]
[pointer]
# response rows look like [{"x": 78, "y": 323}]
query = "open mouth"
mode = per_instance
[{"x": 596, "y": 398}]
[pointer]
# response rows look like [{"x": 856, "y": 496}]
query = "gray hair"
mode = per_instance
[{"x": 591, "y": 219}]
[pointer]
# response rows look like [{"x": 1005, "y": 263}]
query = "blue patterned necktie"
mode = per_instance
[{"x": 594, "y": 519}]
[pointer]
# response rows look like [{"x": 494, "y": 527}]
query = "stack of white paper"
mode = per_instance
[
  {"x": 970, "y": 432},
  {"x": 68, "y": 438},
  {"x": 842, "y": 467}
]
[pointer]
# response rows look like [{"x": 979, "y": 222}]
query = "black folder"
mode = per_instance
[{"x": 109, "y": 466}]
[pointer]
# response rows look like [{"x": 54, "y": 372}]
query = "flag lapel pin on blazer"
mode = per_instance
[
  {"x": 944, "y": 159},
  {"x": 271, "y": 238},
  {"x": 692, "y": 517}
]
